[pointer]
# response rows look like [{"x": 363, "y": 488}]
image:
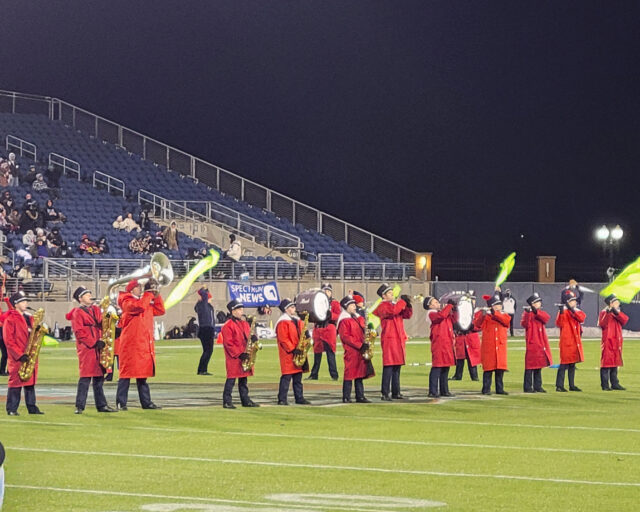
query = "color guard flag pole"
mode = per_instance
[{"x": 182, "y": 288}]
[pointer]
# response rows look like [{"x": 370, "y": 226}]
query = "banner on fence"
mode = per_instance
[{"x": 254, "y": 295}]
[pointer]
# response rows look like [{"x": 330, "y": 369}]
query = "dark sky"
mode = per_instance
[{"x": 446, "y": 126}]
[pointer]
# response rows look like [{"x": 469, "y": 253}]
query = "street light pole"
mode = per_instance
[{"x": 610, "y": 239}]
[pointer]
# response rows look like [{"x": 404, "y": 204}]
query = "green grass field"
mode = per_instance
[{"x": 558, "y": 451}]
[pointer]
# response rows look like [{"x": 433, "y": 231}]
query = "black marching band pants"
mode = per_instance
[
  {"x": 571, "y": 373},
  {"x": 439, "y": 381},
  {"x": 144, "y": 394},
  {"x": 83, "y": 391},
  {"x": 243, "y": 390},
  {"x": 331, "y": 361},
  {"x": 533, "y": 380},
  {"x": 13, "y": 398},
  {"x": 285, "y": 381},
  {"x": 486, "y": 381},
  {"x": 346, "y": 389},
  {"x": 391, "y": 380},
  {"x": 610, "y": 373}
]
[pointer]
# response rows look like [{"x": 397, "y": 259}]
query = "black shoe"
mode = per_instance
[
  {"x": 606, "y": 389},
  {"x": 540, "y": 390},
  {"x": 4, "y": 374},
  {"x": 304, "y": 401},
  {"x": 455, "y": 378},
  {"x": 283, "y": 402},
  {"x": 385, "y": 398},
  {"x": 346, "y": 400},
  {"x": 574, "y": 388},
  {"x": 529, "y": 391},
  {"x": 122, "y": 407},
  {"x": 106, "y": 408},
  {"x": 448, "y": 394},
  {"x": 477, "y": 379},
  {"x": 152, "y": 406},
  {"x": 228, "y": 406},
  {"x": 431, "y": 395},
  {"x": 561, "y": 389},
  {"x": 618, "y": 387},
  {"x": 312, "y": 377},
  {"x": 399, "y": 396},
  {"x": 250, "y": 403},
  {"x": 78, "y": 411},
  {"x": 502, "y": 392},
  {"x": 35, "y": 410},
  {"x": 204, "y": 373},
  {"x": 486, "y": 392},
  {"x": 363, "y": 400},
  {"x": 13, "y": 413},
  {"x": 334, "y": 378}
]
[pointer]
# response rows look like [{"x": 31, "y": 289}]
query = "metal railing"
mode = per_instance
[
  {"x": 21, "y": 147},
  {"x": 68, "y": 166},
  {"x": 210, "y": 174},
  {"x": 111, "y": 183}
]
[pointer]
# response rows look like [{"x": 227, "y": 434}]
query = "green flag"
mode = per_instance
[
  {"x": 626, "y": 285},
  {"x": 182, "y": 288},
  {"x": 505, "y": 268}
]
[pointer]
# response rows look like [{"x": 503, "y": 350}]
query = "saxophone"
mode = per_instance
[
  {"x": 38, "y": 331},
  {"x": 370, "y": 335},
  {"x": 304, "y": 343},
  {"x": 252, "y": 347},
  {"x": 109, "y": 321}
]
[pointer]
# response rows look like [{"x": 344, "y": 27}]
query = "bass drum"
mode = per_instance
[
  {"x": 314, "y": 302},
  {"x": 464, "y": 309}
]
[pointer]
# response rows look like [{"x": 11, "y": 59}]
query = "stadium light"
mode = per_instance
[
  {"x": 616, "y": 233},
  {"x": 602, "y": 233},
  {"x": 610, "y": 240}
]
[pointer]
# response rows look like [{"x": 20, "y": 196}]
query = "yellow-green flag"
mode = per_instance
[
  {"x": 505, "y": 268},
  {"x": 182, "y": 288},
  {"x": 627, "y": 283}
]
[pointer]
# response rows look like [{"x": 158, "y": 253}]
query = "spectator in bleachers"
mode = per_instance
[
  {"x": 170, "y": 236},
  {"x": 51, "y": 214},
  {"x": 4, "y": 224},
  {"x": 54, "y": 173},
  {"x": 24, "y": 255},
  {"x": 29, "y": 238},
  {"x": 39, "y": 185},
  {"x": 235, "y": 250},
  {"x": 117, "y": 224},
  {"x": 14, "y": 220},
  {"x": 128, "y": 224},
  {"x": 14, "y": 171},
  {"x": 31, "y": 219},
  {"x": 31, "y": 176},
  {"x": 55, "y": 238},
  {"x": 157, "y": 243},
  {"x": 65, "y": 251},
  {"x": 39, "y": 250},
  {"x": 140, "y": 244},
  {"x": 24, "y": 272},
  {"x": 88, "y": 246},
  {"x": 29, "y": 202},
  {"x": 103, "y": 245},
  {"x": 4, "y": 173},
  {"x": 144, "y": 221}
]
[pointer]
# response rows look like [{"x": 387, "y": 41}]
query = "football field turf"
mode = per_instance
[{"x": 553, "y": 451}]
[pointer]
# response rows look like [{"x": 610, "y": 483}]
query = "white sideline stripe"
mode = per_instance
[
  {"x": 331, "y": 467},
  {"x": 182, "y": 498},
  {"x": 358, "y": 439}
]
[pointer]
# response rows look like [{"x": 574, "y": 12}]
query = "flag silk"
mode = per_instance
[
  {"x": 183, "y": 287},
  {"x": 373, "y": 319},
  {"x": 49, "y": 341},
  {"x": 505, "y": 268},
  {"x": 627, "y": 283}
]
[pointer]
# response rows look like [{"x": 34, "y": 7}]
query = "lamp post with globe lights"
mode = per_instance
[{"x": 610, "y": 240}]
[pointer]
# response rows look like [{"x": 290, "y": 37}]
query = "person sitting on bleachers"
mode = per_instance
[
  {"x": 31, "y": 176},
  {"x": 4, "y": 224},
  {"x": 144, "y": 221},
  {"x": 65, "y": 251},
  {"x": 88, "y": 246},
  {"x": 7, "y": 200},
  {"x": 32, "y": 219},
  {"x": 128, "y": 224},
  {"x": 51, "y": 215},
  {"x": 14, "y": 221},
  {"x": 140, "y": 244},
  {"x": 170, "y": 236},
  {"x": 39, "y": 250},
  {"x": 5, "y": 173},
  {"x": 39, "y": 185},
  {"x": 157, "y": 243},
  {"x": 29, "y": 238},
  {"x": 235, "y": 250},
  {"x": 55, "y": 238},
  {"x": 117, "y": 224},
  {"x": 29, "y": 202},
  {"x": 103, "y": 246}
]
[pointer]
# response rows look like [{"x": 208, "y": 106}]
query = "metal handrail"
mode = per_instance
[
  {"x": 21, "y": 146},
  {"x": 56, "y": 107},
  {"x": 101, "y": 178},
  {"x": 68, "y": 166}
]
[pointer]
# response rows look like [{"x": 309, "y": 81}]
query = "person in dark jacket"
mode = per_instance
[{"x": 207, "y": 326}]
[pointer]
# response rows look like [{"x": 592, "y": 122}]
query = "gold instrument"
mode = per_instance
[
  {"x": 304, "y": 343},
  {"x": 252, "y": 347},
  {"x": 109, "y": 321},
  {"x": 370, "y": 336},
  {"x": 159, "y": 269},
  {"x": 38, "y": 331}
]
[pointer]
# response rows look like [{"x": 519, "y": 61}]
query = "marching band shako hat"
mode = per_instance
[
  {"x": 358, "y": 297},
  {"x": 326, "y": 286},
  {"x": 384, "y": 288},
  {"x": 285, "y": 303},
  {"x": 131, "y": 285},
  {"x": 568, "y": 295},
  {"x": 609, "y": 299},
  {"x": 534, "y": 298},
  {"x": 427, "y": 300},
  {"x": 17, "y": 297},
  {"x": 234, "y": 304},
  {"x": 493, "y": 300},
  {"x": 80, "y": 291},
  {"x": 346, "y": 301}
]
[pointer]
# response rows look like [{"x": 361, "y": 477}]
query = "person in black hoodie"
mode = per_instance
[{"x": 207, "y": 325}]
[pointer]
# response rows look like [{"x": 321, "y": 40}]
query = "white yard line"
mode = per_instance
[{"x": 415, "y": 472}]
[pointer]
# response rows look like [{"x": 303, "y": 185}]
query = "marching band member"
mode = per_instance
[
  {"x": 236, "y": 333},
  {"x": 351, "y": 327},
  {"x": 289, "y": 328},
  {"x": 392, "y": 339},
  {"x": 15, "y": 328},
  {"x": 611, "y": 321},
  {"x": 570, "y": 320},
  {"x": 467, "y": 347},
  {"x": 324, "y": 338},
  {"x": 494, "y": 324},
  {"x": 86, "y": 323},
  {"x": 137, "y": 355},
  {"x": 538, "y": 353},
  {"x": 442, "y": 340}
]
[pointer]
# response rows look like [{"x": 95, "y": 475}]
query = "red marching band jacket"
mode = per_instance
[
  {"x": 136, "y": 347},
  {"x": 611, "y": 344},
  {"x": 570, "y": 324},
  {"x": 15, "y": 332},
  {"x": 393, "y": 336},
  {"x": 351, "y": 330},
  {"x": 471, "y": 342},
  {"x": 328, "y": 333},
  {"x": 235, "y": 336},
  {"x": 442, "y": 337},
  {"x": 288, "y": 331},
  {"x": 494, "y": 339},
  {"x": 86, "y": 325},
  {"x": 538, "y": 352}
]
